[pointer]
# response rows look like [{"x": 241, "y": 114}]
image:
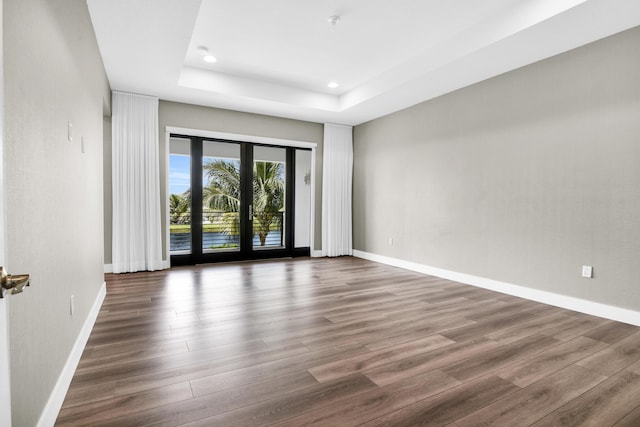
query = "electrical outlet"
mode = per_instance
[
  {"x": 587, "y": 271},
  {"x": 71, "y": 305}
]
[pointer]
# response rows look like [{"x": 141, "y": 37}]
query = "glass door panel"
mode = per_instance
[
  {"x": 267, "y": 211},
  {"x": 221, "y": 188},
  {"x": 179, "y": 196}
]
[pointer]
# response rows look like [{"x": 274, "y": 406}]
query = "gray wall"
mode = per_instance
[
  {"x": 53, "y": 74},
  {"x": 523, "y": 178},
  {"x": 212, "y": 119}
]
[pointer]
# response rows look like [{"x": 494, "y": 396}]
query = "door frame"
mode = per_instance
[
  {"x": 224, "y": 136},
  {"x": 5, "y": 380}
]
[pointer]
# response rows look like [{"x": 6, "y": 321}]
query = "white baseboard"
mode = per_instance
[
  {"x": 563, "y": 301},
  {"x": 56, "y": 399},
  {"x": 317, "y": 254},
  {"x": 108, "y": 268}
]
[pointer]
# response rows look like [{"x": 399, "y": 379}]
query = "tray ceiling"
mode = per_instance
[{"x": 277, "y": 57}]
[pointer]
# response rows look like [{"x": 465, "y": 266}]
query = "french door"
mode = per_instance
[{"x": 232, "y": 200}]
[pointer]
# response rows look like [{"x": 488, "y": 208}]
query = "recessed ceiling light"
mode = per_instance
[
  {"x": 206, "y": 56},
  {"x": 333, "y": 85}
]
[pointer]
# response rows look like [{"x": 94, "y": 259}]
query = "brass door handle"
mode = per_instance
[{"x": 15, "y": 282}]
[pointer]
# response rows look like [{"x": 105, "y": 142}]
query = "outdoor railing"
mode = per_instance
[{"x": 221, "y": 230}]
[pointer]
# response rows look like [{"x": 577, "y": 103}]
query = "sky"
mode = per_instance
[{"x": 179, "y": 173}]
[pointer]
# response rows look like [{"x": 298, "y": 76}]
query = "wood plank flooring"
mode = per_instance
[{"x": 344, "y": 342}]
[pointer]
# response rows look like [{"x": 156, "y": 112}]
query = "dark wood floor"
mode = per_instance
[{"x": 344, "y": 342}]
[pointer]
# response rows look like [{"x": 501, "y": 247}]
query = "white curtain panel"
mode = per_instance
[
  {"x": 137, "y": 234},
  {"x": 337, "y": 177}
]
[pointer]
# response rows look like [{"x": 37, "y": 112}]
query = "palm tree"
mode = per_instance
[
  {"x": 223, "y": 192},
  {"x": 179, "y": 207},
  {"x": 223, "y": 189},
  {"x": 268, "y": 197}
]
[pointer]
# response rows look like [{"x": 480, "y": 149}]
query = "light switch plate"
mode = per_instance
[{"x": 587, "y": 271}]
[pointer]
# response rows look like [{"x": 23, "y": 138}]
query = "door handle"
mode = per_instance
[{"x": 15, "y": 282}]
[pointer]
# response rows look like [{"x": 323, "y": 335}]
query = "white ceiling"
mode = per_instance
[{"x": 276, "y": 57}]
